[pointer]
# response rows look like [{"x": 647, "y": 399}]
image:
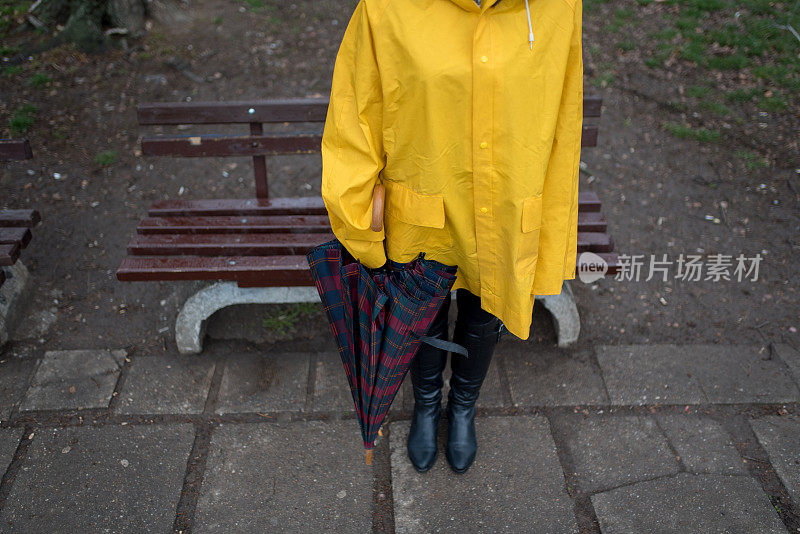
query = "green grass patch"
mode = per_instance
[
  {"x": 699, "y": 91},
  {"x": 255, "y": 5},
  {"x": 626, "y": 45},
  {"x": 22, "y": 119},
  {"x": 775, "y": 103},
  {"x": 106, "y": 158},
  {"x": 741, "y": 94},
  {"x": 685, "y": 132},
  {"x": 751, "y": 159},
  {"x": 284, "y": 318},
  {"x": 715, "y": 107},
  {"x": 40, "y": 79},
  {"x": 6, "y": 50},
  {"x": 11, "y": 70},
  {"x": 603, "y": 79}
]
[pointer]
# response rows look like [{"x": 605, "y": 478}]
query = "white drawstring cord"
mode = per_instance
[{"x": 530, "y": 29}]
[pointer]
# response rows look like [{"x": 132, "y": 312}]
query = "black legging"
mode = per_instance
[{"x": 469, "y": 310}]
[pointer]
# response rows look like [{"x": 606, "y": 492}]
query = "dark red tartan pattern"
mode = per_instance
[{"x": 376, "y": 316}]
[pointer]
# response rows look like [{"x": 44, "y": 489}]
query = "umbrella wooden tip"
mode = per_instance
[{"x": 368, "y": 456}]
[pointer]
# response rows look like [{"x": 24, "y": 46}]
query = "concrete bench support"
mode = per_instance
[
  {"x": 190, "y": 325},
  {"x": 566, "y": 320},
  {"x": 11, "y": 296}
]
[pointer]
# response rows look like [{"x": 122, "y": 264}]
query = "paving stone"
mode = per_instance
[
  {"x": 553, "y": 378},
  {"x": 791, "y": 357},
  {"x": 515, "y": 485},
  {"x": 609, "y": 451},
  {"x": 70, "y": 379},
  {"x": 288, "y": 477},
  {"x": 166, "y": 385},
  {"x": 647, "y": 374},
  {"x": 740, "y": 374},
  {"x": 9, "y": 441},
  {"x": 780, "y": 437},
  {"x": 264, "y": 383},
  {"x": 703, "y": 444},
  {"x": 15, "y": 374},
  {"x": 100, "y": 479},
  {"x": 331, "y": 389},
  {"x": 686, "y": 503},
  {"x": 693, "y": 374}
]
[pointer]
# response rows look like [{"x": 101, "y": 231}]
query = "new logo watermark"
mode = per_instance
[{"x": 688, "y": 267}]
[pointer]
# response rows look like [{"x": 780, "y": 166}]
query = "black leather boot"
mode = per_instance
[
  {"x": 480, "y": 339},
  {"x": 426, "y": 377}
]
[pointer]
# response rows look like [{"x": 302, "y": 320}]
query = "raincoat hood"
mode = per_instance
[{"x": 470, "y": 5}]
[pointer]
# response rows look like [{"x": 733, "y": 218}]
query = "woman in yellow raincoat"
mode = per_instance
[{"x": 473, "y": 126}]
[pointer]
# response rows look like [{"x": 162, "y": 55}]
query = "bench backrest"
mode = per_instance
[
  {"x": 258, "y": 144},
  {"x": 11, "y": 149}
]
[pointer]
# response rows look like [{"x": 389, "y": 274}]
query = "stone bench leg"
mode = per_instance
[
  {"x": 190, "y": 326},
  {"x": 11, "y": 293},
  {"x": 565, "y": 315}
]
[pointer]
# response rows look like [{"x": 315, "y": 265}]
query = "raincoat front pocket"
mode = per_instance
[
  {"x": 414, "y": 223},
  {"x": 531, "y": 223}
]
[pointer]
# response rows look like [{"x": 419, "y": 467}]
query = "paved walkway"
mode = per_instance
[{"x": 620, "y": 439}]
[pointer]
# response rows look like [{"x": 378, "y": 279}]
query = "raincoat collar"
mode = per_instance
[{"x": 470, "y": 5}]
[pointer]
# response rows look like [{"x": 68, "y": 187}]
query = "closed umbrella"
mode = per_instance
[{"x": 379, "y": 318}]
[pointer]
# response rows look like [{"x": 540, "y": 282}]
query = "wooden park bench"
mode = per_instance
[
  {"x": 15, "y": 235},
  {"x": 254, "y": 248}
]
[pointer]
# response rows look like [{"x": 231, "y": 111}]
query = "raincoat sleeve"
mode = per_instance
[
  {"x": 559, "y": 230},
  {"x": 352, "y": 142}
]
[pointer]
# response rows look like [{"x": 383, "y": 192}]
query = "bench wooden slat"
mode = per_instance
[
  {"x": 15, "y": 234},
  {"x": 591, "y": 221},
  {"x": 587, "y": 202},
  {"x": 268, "y": 270},
  {"x": 13, "y": 149},
  {"x": 248, "y": 271},
  {"x": 223, "y": 146},
  {"x": 23, "y": 217},
  {"x": 234, "y": 224},
  {"x": 265, "y": 111},
  {"x": 202, "y": 146},
  {"x": 239, "y": 206},
  {"x": 9, "y": 253},
  {"x": 594, "y": 242},
  {"x": 264, "y": 244},
  {"x": 225, "y": 244}
]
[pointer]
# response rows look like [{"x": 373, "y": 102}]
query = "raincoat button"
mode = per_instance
[
  {"x": 484, "y": 144},
  {"x": 484, "y": 59},
  {"x": 484, "y": 209}
]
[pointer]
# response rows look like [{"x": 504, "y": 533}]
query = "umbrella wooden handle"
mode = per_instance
[{"x": 377, "y": 207}]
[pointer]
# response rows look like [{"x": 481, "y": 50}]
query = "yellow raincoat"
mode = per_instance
[{"x": 474, "y": 128}]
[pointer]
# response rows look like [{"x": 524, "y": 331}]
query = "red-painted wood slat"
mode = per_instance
[
  {"x": 19, "y": 217},
  {"x": 235, "y": 224},
  {"x": 15, "y": 234},
  {"x": 9, "y": 253}
]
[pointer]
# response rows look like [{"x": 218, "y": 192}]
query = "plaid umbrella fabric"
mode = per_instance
[{"x": 379, "y": 318}]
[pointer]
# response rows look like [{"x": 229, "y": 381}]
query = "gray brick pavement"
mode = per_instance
[{"x": 631, "y": 462}]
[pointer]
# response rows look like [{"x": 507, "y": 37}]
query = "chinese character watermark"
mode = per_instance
[{"x": 689, "y": 267}]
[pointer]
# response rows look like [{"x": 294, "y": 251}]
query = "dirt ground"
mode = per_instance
[{"x": 658, "y": 190}]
